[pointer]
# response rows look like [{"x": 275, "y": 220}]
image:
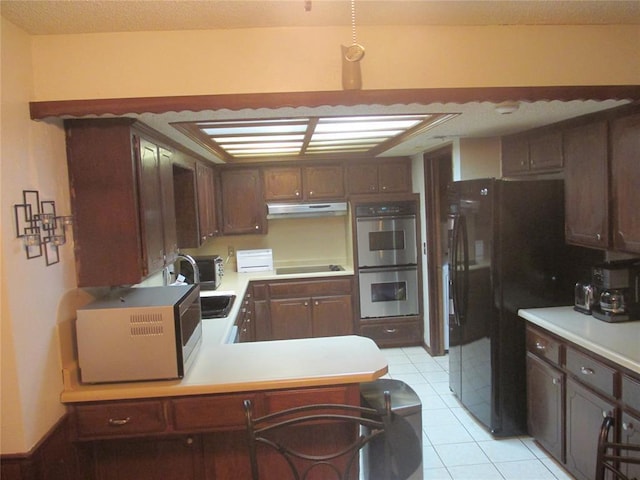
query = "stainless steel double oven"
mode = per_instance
[{"x": 387, "y": 259}]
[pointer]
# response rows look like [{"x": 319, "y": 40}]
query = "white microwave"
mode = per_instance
[{"x": 137, "y": 334}]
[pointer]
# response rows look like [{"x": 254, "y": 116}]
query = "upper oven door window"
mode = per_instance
[{"x": 386, "y": 241}]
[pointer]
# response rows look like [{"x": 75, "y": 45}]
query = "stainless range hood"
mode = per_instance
[{"x": 302, "y": 210}]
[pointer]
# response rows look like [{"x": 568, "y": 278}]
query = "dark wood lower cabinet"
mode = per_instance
[
  {"x": 585, "y": 411},
  {"x": 569, "y": 392},
  {"x": 177, "y": 458},
  {"x": 545, "y": 393},
  {"x": 204, "y": 439}
]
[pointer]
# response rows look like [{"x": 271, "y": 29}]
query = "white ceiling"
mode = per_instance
[{"x": 477, "y": 119}]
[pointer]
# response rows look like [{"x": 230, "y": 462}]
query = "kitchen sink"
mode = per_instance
[
  {"x": 215, "y": 305},
  {"x": 309, "y": 269}
]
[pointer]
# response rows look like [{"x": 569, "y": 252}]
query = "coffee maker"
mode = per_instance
[{"x": 617, "y": 288}]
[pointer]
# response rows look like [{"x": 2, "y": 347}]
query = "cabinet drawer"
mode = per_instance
[
  {"x": 631, "y": 392},
  {"x": 392, "y": 333},
  {"x": 310, "y": 288},
  {"x": 276, "y": 401},
  {"x": 590, "y": 371},
  {"x": 211, "y": 412},
  {"x": 119, "y": 419},
  {"x": 543, "y": 345}
]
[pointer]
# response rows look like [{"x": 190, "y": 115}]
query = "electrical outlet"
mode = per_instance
[{"x": 231, "y": 251}]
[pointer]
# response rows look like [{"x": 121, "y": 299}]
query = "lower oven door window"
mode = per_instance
[{"x": 388, "y": 292}]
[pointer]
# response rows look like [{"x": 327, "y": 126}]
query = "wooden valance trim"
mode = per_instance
[{"x": 124, "y": 106}]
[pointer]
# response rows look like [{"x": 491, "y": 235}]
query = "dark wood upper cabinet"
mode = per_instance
[
  {"x": 243, "y": 207},
  {"x": 207, "y": 205},
  {"x": 291, "y": 183},
  {"x": 282, "y": 183},
  {"x": 587, "y": 185},
  {"x": 323, "y": 182},
  {"x": 531, "y": 153},
  {"x": 122, "y": 202},
  {"x": 625, "y": 183},
  {"x": 545, "y": 152},
  {"x": 379, "y": 177}
]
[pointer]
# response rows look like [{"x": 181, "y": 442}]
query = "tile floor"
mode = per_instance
[{"x": 455, "y": 445}]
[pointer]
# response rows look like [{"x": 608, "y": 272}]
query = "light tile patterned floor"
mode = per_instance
[{"x": 455, "y": 445}]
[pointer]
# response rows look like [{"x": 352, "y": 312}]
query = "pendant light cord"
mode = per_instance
[{"x": 353, "y": 22}]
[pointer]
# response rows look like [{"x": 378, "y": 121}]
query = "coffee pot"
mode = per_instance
[{"x": 618, "y": 286}]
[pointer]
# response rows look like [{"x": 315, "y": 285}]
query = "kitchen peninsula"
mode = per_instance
[{"x": 127, "y": 429}]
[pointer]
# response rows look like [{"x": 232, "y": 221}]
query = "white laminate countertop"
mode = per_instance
[
  {"x": 241, "y": 367},
  {"x": 618, "y": 342}
]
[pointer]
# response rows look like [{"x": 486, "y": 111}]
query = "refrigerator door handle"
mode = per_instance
[
  {"x": 453, "y": 269},
  {"x": 465, "y": 276}
]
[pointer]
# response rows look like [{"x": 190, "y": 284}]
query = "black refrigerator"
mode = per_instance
[{"x": 506, "y": 252}]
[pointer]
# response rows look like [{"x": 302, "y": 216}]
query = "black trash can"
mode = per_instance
[{"x": 400, "y": 449}]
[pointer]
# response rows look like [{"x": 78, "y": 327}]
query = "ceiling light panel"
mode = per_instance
[{"x": 342, "y": 136}]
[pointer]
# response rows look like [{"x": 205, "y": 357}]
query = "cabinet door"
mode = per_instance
[
  {"x": 169, "y": 459},
  {"x": 243, "y": 209},
  {"x": 625, "y": 182},
  {"x": 332, "y": 316},
  {"x": 586, "y": 186},
  {"x": 515, "y": 156},
  {"x": 394, "y": 177},
  {"x": 323, "y": 182},
  {"x": 290, "y": 318},
  {"x": 585, "y": 411},
  {"x": 545, "y": 152},
  {"x": 282, "y": 183},
  {"x": 168, "y": 206},
  {"x": 630, "y": 433},
  {"x": 151, "y": 206},
  {"x": 362, "y": 178},
  {"x": 545, "y": 391},
  {"x": 207, "y": 220}
]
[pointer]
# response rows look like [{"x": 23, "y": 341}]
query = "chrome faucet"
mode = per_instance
[{"x": 194, "y": 266}]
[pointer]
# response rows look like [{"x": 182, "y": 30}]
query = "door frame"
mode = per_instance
[{"x": 433, "y": 162}]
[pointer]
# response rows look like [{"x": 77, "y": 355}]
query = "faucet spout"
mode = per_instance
[{"x": 194, "y": 266}]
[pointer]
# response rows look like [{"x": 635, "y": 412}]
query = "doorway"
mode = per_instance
[{"x": 438, "y": 172}]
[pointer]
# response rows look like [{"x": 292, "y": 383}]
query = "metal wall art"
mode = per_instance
[{"x": 42, "y": 231}]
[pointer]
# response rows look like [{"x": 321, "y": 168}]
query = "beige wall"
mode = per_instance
[
  {"x": 308, "y": 59},
  {"x": 476, "y": 158},
  {"x": 296, "y": 240},
  {"x": 33, "y": 158},
  {"x": 35, "y": 297}
]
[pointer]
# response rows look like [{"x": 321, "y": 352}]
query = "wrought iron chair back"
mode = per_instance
[
  {"x": 613, "y": 456},
  {"x": 342, "y": 463}
]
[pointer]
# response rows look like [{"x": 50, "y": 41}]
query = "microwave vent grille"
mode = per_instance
[{"x": 146, "y": 324}]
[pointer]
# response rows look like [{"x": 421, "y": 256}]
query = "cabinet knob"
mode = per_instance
[
  {"x": 311, "y": 193},
  {"x": 384, "y": 187},
  {"x": 257, "y": 227},
  {"x": 119, "y": 422},
  {"x": 316, "y": 302},
  {"x": 297, "y": 193},
  {"x": 189, "y": 440},
  {"x": 306, "y": 304},
  {"x": 540, "y": 346},
  {"x": 587, "y": 371},
  {"x": 390, "y": 330},
  {"x": 598, "y": 236},
  {"x": 556, "y": 381}
]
